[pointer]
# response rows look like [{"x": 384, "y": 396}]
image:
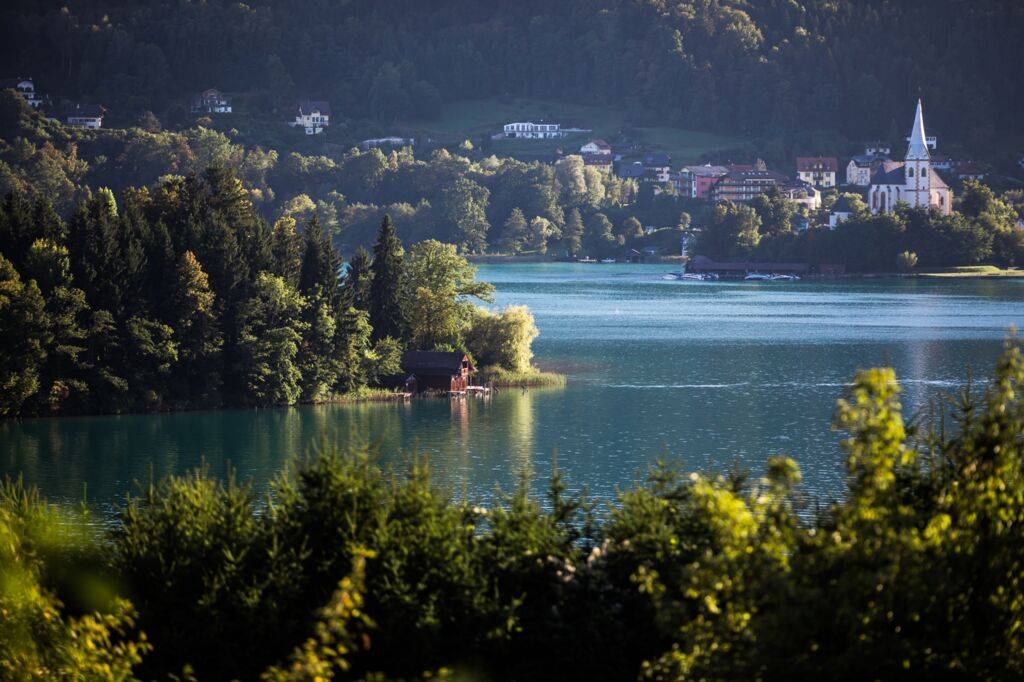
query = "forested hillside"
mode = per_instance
[{"x": 759, "y": 66}]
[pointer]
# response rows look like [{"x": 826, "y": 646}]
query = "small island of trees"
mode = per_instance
[{"x": 181, "y": 296}]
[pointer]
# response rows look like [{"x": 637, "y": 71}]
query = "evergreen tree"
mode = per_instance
[
  {"x": 358, "y": 277},
  {"x": 271, "y": 331},
  {"x": 23, "y": 343},
  {"x": 598, "y": 238},
  {"x": 317, "y": 360},
  {"x": 193, "y": 318},
  {"x": 318, "y": 273},
  {"x": 574, "y": 232},
  {"x": 96, "y": 259},
  {"x": 285, "y": 250},
  {"x": 387, "y": 317},
  {"x": 514, "y": 232}
]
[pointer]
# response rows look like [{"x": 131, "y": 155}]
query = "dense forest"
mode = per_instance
[
  {"x": 181, "y": 296},
  {"x": 350, "y": 572},
  {"x": 766, "y": 67}
]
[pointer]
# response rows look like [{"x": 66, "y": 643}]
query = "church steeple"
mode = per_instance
[{"x": 918, "y": 148}]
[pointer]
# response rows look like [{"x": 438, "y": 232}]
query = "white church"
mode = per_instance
[{"x": 914, "y": 182}]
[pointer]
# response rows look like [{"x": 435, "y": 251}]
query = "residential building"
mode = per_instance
[
  {"x": 658, "y": 166},
  {"x": 313, "y": 117},
  {"x": 632, "y": 171},
  {"x": 602, "y": 162},
  {"x": 969, "y": 171},
  {"x": 24, "y": 87},
  {"x": 85, "y": 116},
  {"x": 596, "y": 147},
  {"x": 819, "y": 171},
  {"x": 696, "y": 181},
  {"x": 841, "y": 210},
  {"x": 861, "y": 168},
  {"x": 913, "y": 182},
  {"x": 877, "y": 149},
  {"x": 941, "y": 162},
  {"x": 743, "y": 185},
  {"x": 211, "y": 101},
  {"x": 535, "y": 131},
  {"x": 803, "y": 193}
]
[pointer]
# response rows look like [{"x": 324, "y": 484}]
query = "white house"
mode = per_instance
[
  {"x": 819, "y": 171},
  {"x": 313, "y": 117},
  {"x": 211, "y": 101},
  {"x": 913, "y": 182},
  {"x": 85, "y": 116},
  {"x": 803, "y": 193},
  {"x": 596, "y": 147},
  {"x": 841, "y": 210},
  {"x": 24, "y": 87},
  {"x": 535, "y": 131}
]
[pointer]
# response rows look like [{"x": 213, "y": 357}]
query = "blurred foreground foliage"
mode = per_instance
[{"x": 349, "y": 571}]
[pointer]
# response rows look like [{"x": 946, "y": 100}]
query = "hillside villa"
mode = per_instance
[
  {"x": 24, "y": 87},
  {"x": 211, "y": 101},
  {"x": 313, "y": 117},
  {"x": 85, "y": 116}
]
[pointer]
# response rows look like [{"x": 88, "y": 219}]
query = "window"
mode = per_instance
[{"x": 910, "y": 171}]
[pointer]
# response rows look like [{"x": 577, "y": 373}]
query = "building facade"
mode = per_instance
[
  {"x": 313, "y": 117},
  {"x": 85, "y": 116},
  {"x": 657, "y": 166},
  {"x": 534, "y": 131},
  {"x": 819, "y": 171},
  {"x": 211, "y": 101},
  {"x": 913, "y": 182},
  {"x": 696, "y": 181},
  {"x": 742, "y": 185},
  {"x": 597, "y": 147},
  {"x": 25, "y": 87}
]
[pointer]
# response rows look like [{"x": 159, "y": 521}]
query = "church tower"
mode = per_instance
[{"x": 918, "y": 164}]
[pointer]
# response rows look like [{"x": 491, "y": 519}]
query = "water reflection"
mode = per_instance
[{"x": 704, "y": 374}]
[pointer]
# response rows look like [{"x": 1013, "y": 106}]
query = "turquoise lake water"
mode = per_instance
[{"x": 706, "y": 374}]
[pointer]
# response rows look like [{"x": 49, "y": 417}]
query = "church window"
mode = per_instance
[{"x": 910, "y": 171}]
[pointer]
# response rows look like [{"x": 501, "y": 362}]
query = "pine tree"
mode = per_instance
[
  {"x": 96, "y": 251},
  {"x": 318, "y": 273},
  {"x": 386, "y": 315},
  {"x": 514, "y": 232},
  {"x": 574, "y": 232},
  {"x": 356, "y": 290},
  {"x": 24, "y": 340},
  {"x": 271, "y": 331},
  {"x": 284, "y": 248},
  {"x": 191, "y": 309}
]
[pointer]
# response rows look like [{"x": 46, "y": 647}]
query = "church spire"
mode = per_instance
[{"x": 918, "y": 149}]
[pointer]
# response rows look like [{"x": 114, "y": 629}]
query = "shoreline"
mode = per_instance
[{"x": 956, "y": 272}]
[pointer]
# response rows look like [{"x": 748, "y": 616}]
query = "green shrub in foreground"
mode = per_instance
[{"x": 347, "y": 571}]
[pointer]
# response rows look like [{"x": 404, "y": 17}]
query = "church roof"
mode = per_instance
[
  {"x": 889, "y": 173},
  {"x": 918, "y": 149},
  {"x": 894, "y": 173}
]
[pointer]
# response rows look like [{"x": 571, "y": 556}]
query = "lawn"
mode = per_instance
[
  {"x": 967, "y": 271},
  {"x": 472, "y": 119}
]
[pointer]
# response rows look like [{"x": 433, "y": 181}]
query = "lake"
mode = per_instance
[{"x": 707, "y": 374}]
